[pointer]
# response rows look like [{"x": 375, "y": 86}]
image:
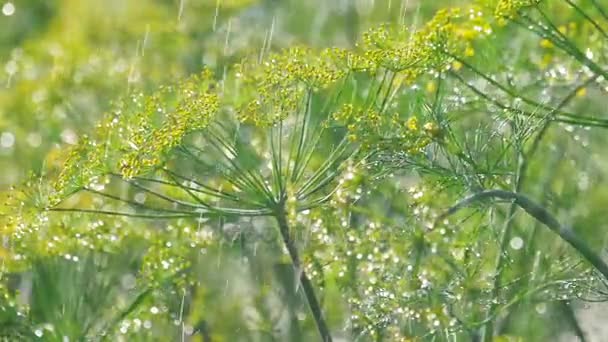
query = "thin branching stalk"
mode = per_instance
[
  {"x": 588, "y": 18},
  {"x": 600, "y": 9},
  {"x": 307, "y": 287},
  {"x": 521, "y": 173},
  {"x": 125, "y": 214},
  {"x": 134, "y": 305},
  {"x": 559, "y": 114},
  {"x": 539, "y": 213},
  {"x": 556, "y": 38},
  {"x": 571, "y": 317},
  {"x": 488, "y": 333},
  {"x": 531, "y": 252}
]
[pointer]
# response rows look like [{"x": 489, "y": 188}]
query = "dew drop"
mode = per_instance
[
  {"x": 516, "y": 243},
  {"x": 541, "y": 308},
  {"x": 7, "y": 140},
  {"x": 9, "y": 9}
]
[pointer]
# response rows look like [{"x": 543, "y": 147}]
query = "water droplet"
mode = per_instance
[
  {"x": 7, "y": 140},
  {"x": 8, "y": 9},
  {"x": 541, "y": 308},
  {"x": 140, "y": 197},
  {"x": 583, "y": 181},
  {"x": 11, "y": 67},
  {"x": 516, "y": 243},
  {"x": 128, "y": 281},
  {"x": 34, "y": 139},
  {"x": 69, "y": 137}
]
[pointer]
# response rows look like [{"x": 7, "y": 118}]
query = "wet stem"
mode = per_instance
[
  {"x": 309, "y": 292},
  {"x": 523, "y": 158},
  {"x": 488, "y": 333}
]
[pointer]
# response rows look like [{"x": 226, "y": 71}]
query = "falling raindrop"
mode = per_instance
[{"x": 181, "y": 10}]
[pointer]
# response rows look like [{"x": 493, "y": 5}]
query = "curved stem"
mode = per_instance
[
  {"x": 570, "y": 315},
  {"x": 523, "y": 162},
  {"x": 542, "y": 215},
  {"x": 305, "y": 282}
]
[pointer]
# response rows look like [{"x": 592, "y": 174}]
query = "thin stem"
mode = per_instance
[
  {"x": 247, "y": 175},
  {"x": 134, "y": 305},
  {"x": 336, "y": 156},
  {"x": 571, "y": 317},
  {"x": 134, "y": 203},
  {"x": 388, "y": 92},
  {"x": 488, "y": 333},
  {"x": 276, "y": 156},
  {"x": 302, "y": 134},
  {"x": 531, "y": 252},
  {"x": 539, "y": 213},
  {"x": 371, "y": 100},
  {"x": 600, "y": 9},
  {"x": 236, "y": 181},
  {"x": 226, "y": 210},
  {"x": 566, "y": 46},
  {"x": 560, "y": 115},
  {"x": 305, "y": 282},
  {"x": 117, "y": 213},
  {"x": 523, "y": 163},
  {"x": 141, "y": 297},
  {"x": 164, "y": 197},
  {"x": 588, "y": 18},
  {"x": 204, "y": 189}
]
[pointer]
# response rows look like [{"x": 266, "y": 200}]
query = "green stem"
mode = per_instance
[
  {"x": 523, "y": 162},
  {"x": 531, "y": 239},
  {"x": 571, "y": 317},
  {"x": 588, "y": 18},
  {"x": 488, "y": 333},
  {"x": 600, "y": 9},
  {"x": 125, "y": 214},
  {"x": 305, "y": 282},
  {"x": 542, "y": 215}
]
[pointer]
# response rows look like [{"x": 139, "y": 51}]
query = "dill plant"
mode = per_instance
[{"x": 362, "y": 161}]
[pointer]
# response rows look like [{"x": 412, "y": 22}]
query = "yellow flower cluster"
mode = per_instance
[
  {"x": 371, "y": 128},
  {"x": 392, "y": 48},
  {"x": 139, "y": 133},
  {"x": 167, "y": 117},
  {"x": 274, "y": 88},
  {"x": 510, "y": 8},
  {"x": 81, "y": 165},
  {"x": 351, "y": 61}
]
